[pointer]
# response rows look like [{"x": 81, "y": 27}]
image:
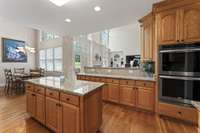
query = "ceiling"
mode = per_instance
[{"x": 42, "y": 14}]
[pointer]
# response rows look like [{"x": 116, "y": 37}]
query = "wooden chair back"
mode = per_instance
[{"x": 19, "y": 70}]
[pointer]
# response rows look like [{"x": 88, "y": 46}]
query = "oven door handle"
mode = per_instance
[
  {"x": 179, "y": 50},
  {"x": 179, "y": 78}
]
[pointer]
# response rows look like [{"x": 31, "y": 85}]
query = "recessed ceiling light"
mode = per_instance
[
  {"x": 97, "y": 8},
  {"x": 68, "y": 20},
  {"x": 59, "y": 2}
]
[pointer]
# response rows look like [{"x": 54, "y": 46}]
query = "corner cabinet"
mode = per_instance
[
  {"x": 179, "y": 25},
  {"x": 147, "y": 37}
]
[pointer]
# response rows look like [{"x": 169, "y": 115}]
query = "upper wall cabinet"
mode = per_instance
[
  {"x": 190, "y": 23},
  {"x": 147, "y": 34},
  {"x": 180, "y": 24},
  {"x": 168, "y": 27}
]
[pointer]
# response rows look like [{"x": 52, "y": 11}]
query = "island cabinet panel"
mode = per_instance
[
  {"x": 70, "y": 118},
  {"x": 31, "y": 103},
  {"x": 145, "y": 98},
  {"x": 190, "y": 23},
  {"x": 113, "y": 93},
  {"x": 127, "y": 95},
  {"x": 92, "y": 112},
  {"x": 52, "y": 114},
  {"x": 40, "y": 108}
]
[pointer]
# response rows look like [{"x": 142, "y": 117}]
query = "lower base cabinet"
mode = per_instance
[
  {"x": 113, "y": 93},
  {"x": 70, "y": 118},
  {"x": 31, "y": 103},
  {"x": 40, "y": 108},
  {"x": 128, "y": 95},
  {"x": 52, "y": 114},
  {"x": 36, "y": 106},
  {"x": 145, "y": 98}
]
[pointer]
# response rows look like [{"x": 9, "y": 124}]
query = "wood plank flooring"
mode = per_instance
[{"x": 14, "y": 119}]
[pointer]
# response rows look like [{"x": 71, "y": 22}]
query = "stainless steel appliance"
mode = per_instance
[
  {"x": 182, "y": 60},
  {"x": 179, "y": 76}
]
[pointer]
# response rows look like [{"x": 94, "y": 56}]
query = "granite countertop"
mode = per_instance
[
  {"x": 119, "y": 76},
  {"x": 196, "y": 104},
  {"x": 75, "y": 87}
]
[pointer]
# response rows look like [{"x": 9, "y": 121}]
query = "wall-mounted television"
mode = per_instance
[{"x": 13, "y": 50}]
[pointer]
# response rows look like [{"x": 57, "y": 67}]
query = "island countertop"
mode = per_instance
[{"x": 76, "y": 87}]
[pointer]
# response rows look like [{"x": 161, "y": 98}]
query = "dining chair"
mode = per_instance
[
  {"x": 19, "y": 70},
  {"x": 6, "y": 87},
  {"x": 14, "y": 84}
]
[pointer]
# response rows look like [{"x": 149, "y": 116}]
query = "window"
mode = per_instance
[
  {"x": 51, "y": 59},
  {"x": 45, "y": 36},
  {"x": 104, "y": 36},
  {"x": 77, "y": 50}
]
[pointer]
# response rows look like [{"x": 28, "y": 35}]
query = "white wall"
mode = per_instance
[
  {"x": 18, "y": 32},
  {"x": 126, "y": 39}
]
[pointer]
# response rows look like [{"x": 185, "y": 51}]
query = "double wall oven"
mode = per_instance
[{"x": 179, "y": 73}]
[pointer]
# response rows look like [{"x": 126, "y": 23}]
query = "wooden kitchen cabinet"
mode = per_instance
[
  {"x": 168, "y": 27},
  {"x": 31, "y": 103},
  {"x": 52, "y": 114},
  {"x": 147, "y": 35},
  {"x": 105, "y": 92},
  {"x": 190, "y": 23},
  {"x": 178, "y": 24},
  {"x": 127, "y": 95},
  {"x": 40, "y": 108},
  {"x": 70, "y": 118},
  {"x": 145, "y": 99},
  {"x": 113, "y": 93}
]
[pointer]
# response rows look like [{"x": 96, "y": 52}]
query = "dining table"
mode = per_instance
[{"x": 22, "y": 76}]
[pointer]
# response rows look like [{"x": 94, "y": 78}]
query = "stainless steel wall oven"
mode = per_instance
[{"x": 179, "y": 75}]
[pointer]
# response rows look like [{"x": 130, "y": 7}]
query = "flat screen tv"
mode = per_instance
[{"x": 13, "y": 50}]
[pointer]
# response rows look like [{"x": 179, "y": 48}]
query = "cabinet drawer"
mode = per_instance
[
  {"x": 52, "y": 93},
  {"x": 39, "y": 90},
  {"x": 127, "y": 82},
  {"x": 114, "y": 81},
  {"x": 29, "y": 87},
  {"x": 179, "y": 112},
  {"x": 145, "y": 84},
  {"x": 71, "y": 99}
]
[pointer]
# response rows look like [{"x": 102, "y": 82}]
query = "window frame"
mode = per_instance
[{"x": 53, "y": 59}]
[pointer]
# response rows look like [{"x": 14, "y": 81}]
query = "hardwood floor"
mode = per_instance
[{"x": 13, "y": 119}]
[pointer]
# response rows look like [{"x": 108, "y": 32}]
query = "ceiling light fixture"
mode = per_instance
[
  {"x": 97, "y": 8},
  {"x": 59, "y": 2},
  {"x": 68, "y": 20}
]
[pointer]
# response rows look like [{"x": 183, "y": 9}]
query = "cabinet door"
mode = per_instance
[
  {"x": 70, "y": 118},
  {"x": 113, "y": 93},
  {"x": 40, "y": 108},
  {"x": 31, "y": 103},
  {"x": 147, "y": 39},
  {"x": 145, "y": 98},
  {"x": 190, "y": 23},
  {"x": 52, "y": 114},
  {"x": 105, "y": 92},
  {"x": 127, "y": 95},
  {"x": 168, "y": 27}
]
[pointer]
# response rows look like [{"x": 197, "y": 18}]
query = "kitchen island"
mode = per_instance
[{"x": 65, "y": 106}]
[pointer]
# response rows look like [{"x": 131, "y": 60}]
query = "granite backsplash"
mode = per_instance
[{"x": 135, "y": 72}]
